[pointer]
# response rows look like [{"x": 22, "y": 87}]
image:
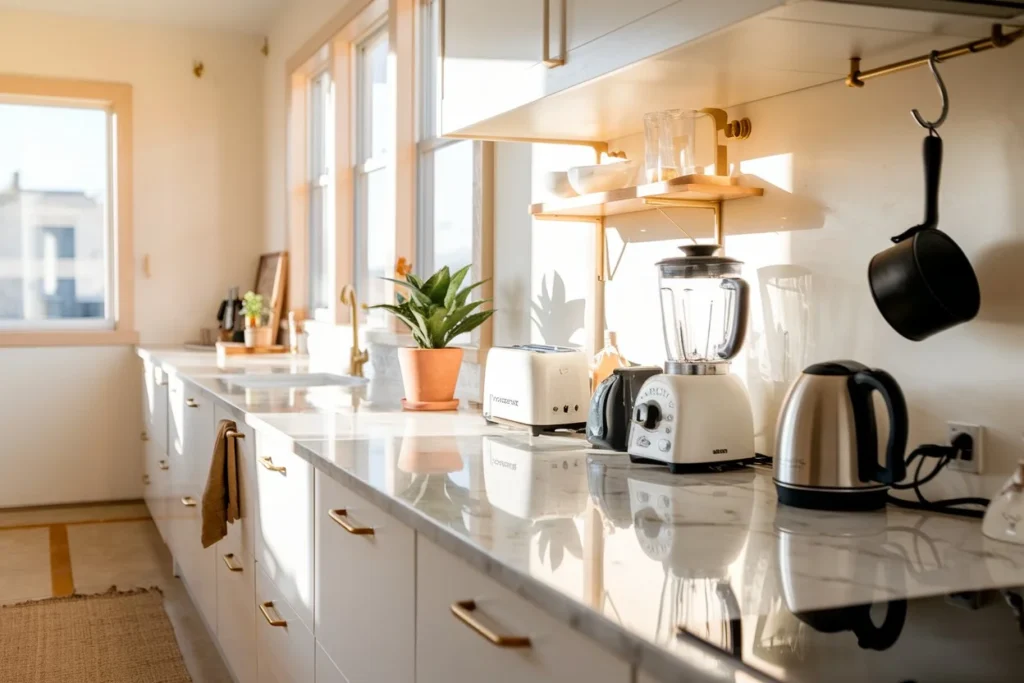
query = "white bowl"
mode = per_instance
[
  {"x": 557, "y": 184},
  {"x": 602, "y": 178}
]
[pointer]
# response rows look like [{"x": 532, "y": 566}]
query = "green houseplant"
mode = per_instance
[
  {"x": 257, "y": 334},
  {"x": 436, "y": 311}
]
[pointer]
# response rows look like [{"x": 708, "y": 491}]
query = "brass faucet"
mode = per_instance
[{"x": 358, "y": 357}]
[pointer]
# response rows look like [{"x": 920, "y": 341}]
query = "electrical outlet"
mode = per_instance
[{"x": 977, "y": 433}]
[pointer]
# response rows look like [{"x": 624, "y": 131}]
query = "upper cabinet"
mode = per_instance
[{"x": 588, "y": 70}]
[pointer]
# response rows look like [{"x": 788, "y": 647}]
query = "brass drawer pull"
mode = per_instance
[
  {"x": 191, "y": 403},
  {"x": 232, "y": 434},
  {"x": 145, "y": 436},
  {"x": 463, "y": 611},
  {"x": 549, "y": 61},
  {"x": 162, "y": 383},
  {"x": 227, "y": 562},
  {"x": 342, "y": 518},
  {"x": 269, "y": 464},
  {"x": 145, "y": 479},
  {"x": 164, "y": 465},
  {"x": 188, "y": 501},
  {"x": 269, "y": 605}
]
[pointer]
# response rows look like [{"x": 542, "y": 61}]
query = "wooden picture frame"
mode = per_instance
[{"x": 271, "y": 280}]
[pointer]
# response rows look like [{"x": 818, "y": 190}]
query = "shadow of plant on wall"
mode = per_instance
[{"x": 556, "y": 319}]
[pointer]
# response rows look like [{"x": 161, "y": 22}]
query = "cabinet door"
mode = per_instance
[
  {"x": 588, "y": 20},
  {"x": 488, "y": 46},
  {"x": 284, "y": 521},
  {"x": 198, "y": 564},
  {"x": 236, "y": 613},
  {"x": 177, "y": 514},
  {"x": 450, "y": 649},
  {"x": 241, "y": 538},
  {"x": 365, "y": 586},
  {"x": 326, "y": 671},
  {"x": 284, "y": 646}
]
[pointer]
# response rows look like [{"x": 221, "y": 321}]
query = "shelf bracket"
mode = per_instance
[
  {"x": 997, "y": 39},
  {"x": 714, "y": 205}
]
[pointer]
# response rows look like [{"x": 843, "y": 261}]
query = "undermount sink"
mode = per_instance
[{"x": 290, "y": 381}]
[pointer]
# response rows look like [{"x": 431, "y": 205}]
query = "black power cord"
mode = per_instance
[{"x": 962, "y": 447}]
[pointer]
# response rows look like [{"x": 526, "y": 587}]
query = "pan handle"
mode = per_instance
[{"x": 932, "y": 171}]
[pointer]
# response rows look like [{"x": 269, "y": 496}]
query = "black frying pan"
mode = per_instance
[{"x": 924, "y": 284}]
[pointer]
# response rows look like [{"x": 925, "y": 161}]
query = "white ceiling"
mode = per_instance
[{"x": 243, "y": 16}]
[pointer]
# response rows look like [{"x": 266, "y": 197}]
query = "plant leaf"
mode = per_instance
[
  {"x": 414, "y": 281},
  {"x": 399, "y": 313},
  {"x": 423, "y": 329},
  {"x": 462, "y": 296},
  {"x": 436, "y": 327},
  {"x": 468, "y": 325},
  {"x": 416, "y": 293},
  {"x": 456, "y": 316},
  {"x": 437, "y": 286},
  {"x": 453, "y": 286}
]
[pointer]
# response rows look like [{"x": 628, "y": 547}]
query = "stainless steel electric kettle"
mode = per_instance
[{"x": 826, "y": 449}]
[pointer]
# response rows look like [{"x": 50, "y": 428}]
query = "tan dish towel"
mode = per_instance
[{"x": 221, "y": 497}]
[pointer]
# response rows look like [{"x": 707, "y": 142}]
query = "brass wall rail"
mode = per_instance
[{"x": 997, "y": 39}]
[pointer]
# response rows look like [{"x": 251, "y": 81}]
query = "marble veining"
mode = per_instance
[{"x": 629, "y": 555}]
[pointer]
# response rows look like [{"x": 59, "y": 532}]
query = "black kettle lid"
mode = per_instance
[{"x": 835, "y": 367}]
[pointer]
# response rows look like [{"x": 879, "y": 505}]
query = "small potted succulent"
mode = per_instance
[
  {"x": 436, "y": 311},
  {"x": 258, "y": 333}
]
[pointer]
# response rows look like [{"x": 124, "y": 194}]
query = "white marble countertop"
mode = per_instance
[{"x": 632, "y": 555}]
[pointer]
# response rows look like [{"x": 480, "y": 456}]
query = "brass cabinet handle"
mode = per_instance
[
  {"x": 341, "y": 517},
  {"x": 191, "y": 403},
  {"x": 463, "y": 611},
  {"x": 269, "y": 464},
  {"x": 162, "y": 383},
  {"x": 188, "y": 501},
  {"x": 164, "y": 465},
  {"x": 232, "y": 434},
  {"x": 145, "y": 479},
  {"x": 549, "y": 61},
  {"x": 269, "y": 605},
  {"x": 227, "y": 562},
  {"x": 145, "y": 436}
]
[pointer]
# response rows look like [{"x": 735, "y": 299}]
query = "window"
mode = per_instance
[
  {"x": 374, "y": 196},
  {"x": 320, "y": 188},
  {"x": 447, "y": 168},
  {"x": 62, "y": 270}
]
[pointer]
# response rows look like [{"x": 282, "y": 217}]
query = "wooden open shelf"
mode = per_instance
[{"x": 631, "y": 199}]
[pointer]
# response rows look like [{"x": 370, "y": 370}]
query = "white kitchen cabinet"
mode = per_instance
[
  {"x": 156, "y": 470},
  {"x": 284, "y": 521},
  {"x": 365, "y": 586},
  {"x": 198, "y": 565},
  {"x": 284, "y": 646},
  {"x": 452, "y": 649},
  {"x": 177, "y": 514},
  {"x": 588, "y": 20},
  {"x": 236, "y": 613},
  {"x": 326, "y": 670}
]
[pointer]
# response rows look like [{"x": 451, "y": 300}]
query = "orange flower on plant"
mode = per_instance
[{"x": 402, "y": 267}]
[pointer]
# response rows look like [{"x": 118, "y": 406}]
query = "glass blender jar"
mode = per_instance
[{"x": 704, "y": 308}]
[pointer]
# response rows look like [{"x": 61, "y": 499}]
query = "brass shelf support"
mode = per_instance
[
  {"x": 715, "y": 206},
  {"x": 997, "y": 39}
]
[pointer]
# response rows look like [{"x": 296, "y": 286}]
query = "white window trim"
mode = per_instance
[{"x": 118, "y": 325}]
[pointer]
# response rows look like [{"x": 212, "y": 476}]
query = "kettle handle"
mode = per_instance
[
  {"x": 895, "y": 469},
  {"x": 871, "y": 637}
]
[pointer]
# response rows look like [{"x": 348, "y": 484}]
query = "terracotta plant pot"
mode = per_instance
[{"x": 429, "y": 377}]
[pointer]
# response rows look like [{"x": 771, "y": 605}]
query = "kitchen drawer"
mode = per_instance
[
  {"x": 448, "y": 649},
  {"x": 365, "y": 586},
  {"x": 236, "y": 613},
  {"x": 154, "y": 388},
  {"x": 284, "y": 646},
  {"x": 284, "y": 521},
  {"x": 241, "y": 538},
  {"x": 326, "y": 670}
]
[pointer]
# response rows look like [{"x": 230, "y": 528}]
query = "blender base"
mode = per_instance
[{"x": 694, "y": 468}]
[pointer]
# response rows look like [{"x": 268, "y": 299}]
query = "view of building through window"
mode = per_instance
[{"x": 54, "y": 225}]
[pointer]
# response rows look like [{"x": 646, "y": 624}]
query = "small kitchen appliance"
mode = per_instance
[
  {"x": 826, "y": 450},
  {"x": 611, "y": 406},
  {"x": 1005, "y": 514},
  {"x": 696, "y": 413},
  {"x": 539, "y": 387}
]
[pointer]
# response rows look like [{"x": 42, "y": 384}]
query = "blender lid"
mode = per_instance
[{"x": 700, "y": 260}]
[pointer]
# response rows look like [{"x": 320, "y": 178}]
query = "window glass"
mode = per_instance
[
  {"x": 378, "y": 95},
  {"x": 453, "y": 205},
  {"x": 320, "y": 186},
  {"x": 55, "y": 226}
]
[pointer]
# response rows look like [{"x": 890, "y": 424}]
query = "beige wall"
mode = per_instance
[{"x": 71, "y": 418}]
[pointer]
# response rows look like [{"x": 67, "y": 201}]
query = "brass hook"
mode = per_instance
[{"x": 932, "y": 125}]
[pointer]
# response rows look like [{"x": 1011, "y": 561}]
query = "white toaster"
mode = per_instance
[{"x": 536, "y": 386}]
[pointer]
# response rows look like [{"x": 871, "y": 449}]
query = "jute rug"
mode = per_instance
[{"x": 107, "y": 638}]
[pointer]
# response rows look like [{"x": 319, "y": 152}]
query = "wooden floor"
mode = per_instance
[{"x": 50, "y": 552}]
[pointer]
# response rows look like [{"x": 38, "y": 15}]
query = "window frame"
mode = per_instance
[{"x": 118, "y": 325}]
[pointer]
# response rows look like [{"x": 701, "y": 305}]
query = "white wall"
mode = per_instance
[{"x": 71, "y": 417}]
